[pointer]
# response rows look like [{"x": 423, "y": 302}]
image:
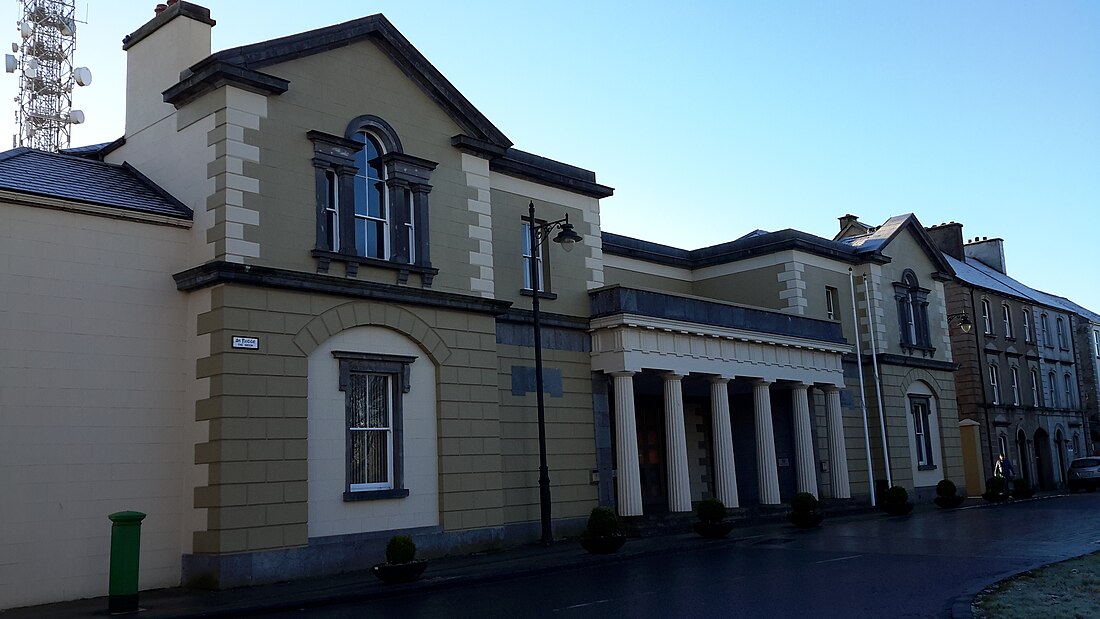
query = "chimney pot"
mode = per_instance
[{"x": 160, "y": 8}]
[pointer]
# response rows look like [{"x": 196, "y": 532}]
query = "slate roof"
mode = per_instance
[
  {"x": 56, "y": 175},
  {"x": 981, "y": 275},
  {"x": 878, "y": 238}
]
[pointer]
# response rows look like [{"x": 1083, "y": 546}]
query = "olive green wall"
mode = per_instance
[
  {"x": 759, "y": 287},
  {"x": 634, "y": 279},
  {"x": 327, "y": 91}
]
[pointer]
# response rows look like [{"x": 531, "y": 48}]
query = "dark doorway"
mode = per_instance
[
  {"x": 1043, "y": 473},
  {"x": 1022, "y": 458},
  {"x": 650, "y": 418}
]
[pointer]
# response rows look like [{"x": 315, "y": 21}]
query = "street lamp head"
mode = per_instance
[
  {"x": 965, "y": 324},
  {"x": 567, "y": 237}
]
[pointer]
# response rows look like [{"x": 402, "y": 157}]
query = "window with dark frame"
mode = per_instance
[
  {"x": 1036, "y": 397},
  {"x": 1015, "y": 386},
  {"x": 1068, "y": 379},
  {"x": 1062, "y": 342},
  {"x": 373, "y": 387},
  {"x": 1055, "y": 401},
  {"x": 372, "y": 201},
  {"x": 920, "y": 407},
  {"x": 1044, "y": 324},
  {"x": 912, "y": 303}
]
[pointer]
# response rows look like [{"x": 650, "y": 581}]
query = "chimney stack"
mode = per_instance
[
  {"x": 948, "y": 238},
  {"x": 990, "y": 252},
  {"x": 177, "y": 37}
]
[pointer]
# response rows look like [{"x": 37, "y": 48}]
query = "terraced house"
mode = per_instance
[{"x": 1027, "y": 371}]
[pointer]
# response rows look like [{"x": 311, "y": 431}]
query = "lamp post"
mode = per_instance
[{"x": 566, "y": 237}]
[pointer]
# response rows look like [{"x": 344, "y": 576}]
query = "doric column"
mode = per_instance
[
  {"x": 838, "y": 457},
  {"x": 679, "y": 488},
  {"x": 767, "y": 476},
  {"x": 628, "y": 480},
  {"x": 803, "y": 440},
  {"x": 725, "y": 471}
]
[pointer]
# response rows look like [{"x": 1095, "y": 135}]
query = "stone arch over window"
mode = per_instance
[
  {"x": 379, "y": 128},
  {"x": 367, "y": 313}
]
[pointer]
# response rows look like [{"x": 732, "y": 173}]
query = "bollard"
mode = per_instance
[{"x": 125, "y": 551}]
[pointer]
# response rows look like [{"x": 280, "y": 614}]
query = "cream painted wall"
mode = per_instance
[
  {"x": 92, "y": 393},
  {"x": 328, "y": 513}
]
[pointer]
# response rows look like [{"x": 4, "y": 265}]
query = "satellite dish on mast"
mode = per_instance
[{"x": 83, "y": 76}]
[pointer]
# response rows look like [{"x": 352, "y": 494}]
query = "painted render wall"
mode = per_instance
[{"x": 92, "y": 392}]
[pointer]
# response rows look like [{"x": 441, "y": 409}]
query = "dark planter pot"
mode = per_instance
[
  {"x": 603, "y": 545},
  {"x": 395, "y": 573},
  {"x": 948, "y": 502},
  {"x": 806, "y": 520},
  {"x": 897, "y": 509},
  {"x": 713, "y": 530}
]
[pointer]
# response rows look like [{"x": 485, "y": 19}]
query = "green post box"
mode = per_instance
[{"x": 125, "y": 551}]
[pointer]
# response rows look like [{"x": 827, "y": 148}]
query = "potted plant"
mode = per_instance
[
  {"x": 896, "y": 501},
  {"x": 947, "y": 495},
  {"x": 401, "y": 563},
  {"x": 602, "y": 536},
  {"x": 804, "y": 512},
  {"x": 712, "y": 522},
  {"x": 995, "y": 490},
  {"x": 1021, "y": 489}
]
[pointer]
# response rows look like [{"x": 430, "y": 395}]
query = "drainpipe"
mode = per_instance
[{"x": 862, "y": 391}]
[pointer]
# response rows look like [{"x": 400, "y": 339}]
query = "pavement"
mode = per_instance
[{"x": 446, "y": 572}]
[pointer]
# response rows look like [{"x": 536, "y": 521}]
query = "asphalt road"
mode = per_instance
[{"x": 912, "y": 566}]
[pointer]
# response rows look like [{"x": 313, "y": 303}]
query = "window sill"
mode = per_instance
[
  {"x": 927, "y": 351},
  {"x": 542, "y": 294},
  {"x": 375, "y": 495},
  {"x": 352, "y": 262}
]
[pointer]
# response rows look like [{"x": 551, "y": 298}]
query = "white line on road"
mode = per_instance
[
  {"x": 838, "y": 559},
  {"x": 582, "y": 605}
]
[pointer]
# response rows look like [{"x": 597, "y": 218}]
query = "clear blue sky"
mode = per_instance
[{"x": 713, "y": 119}]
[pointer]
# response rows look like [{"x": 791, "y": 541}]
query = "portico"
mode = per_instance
[{"x": 733, "y": 393}]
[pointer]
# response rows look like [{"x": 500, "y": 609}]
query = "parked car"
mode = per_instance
[{"x": 1083, "y": 473}]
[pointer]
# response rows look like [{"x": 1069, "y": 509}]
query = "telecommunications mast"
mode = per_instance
[{"x": 44, "y": 61}]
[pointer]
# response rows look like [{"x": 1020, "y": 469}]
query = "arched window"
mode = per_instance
[
  {"x": 1055, "y": 401},
  {"x": 1006, "y": 312},
  {"x": 912, "y": 303},
  {"x": 1028, "y": 337},
  {"x": 372, "y": 229},
  {"x": 987, "y": 320},
  {"x": 1062, "y": 342},
  {"x": 372, "y": 201}
]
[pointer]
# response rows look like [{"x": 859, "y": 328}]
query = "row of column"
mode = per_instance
[{"x": 629, "y": 488}]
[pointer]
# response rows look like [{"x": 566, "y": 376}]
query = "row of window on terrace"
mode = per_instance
[
  {"x": 1007, "y": 329},
  {"x": 1056, "y": 399}
]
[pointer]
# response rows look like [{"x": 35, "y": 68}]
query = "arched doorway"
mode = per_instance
[
  {"x": 1041, "y": 452},
  {"x": 1023, "y": 461}
]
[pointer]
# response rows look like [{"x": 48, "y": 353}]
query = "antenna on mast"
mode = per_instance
[{"x": 43, "y": 58}]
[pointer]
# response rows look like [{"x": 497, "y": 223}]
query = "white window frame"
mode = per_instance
[
  {"x": 994, "y": 383},
  {"x": 1055, "y": 401},
  {"x": 920, "y": 407},
  {"x": 1027, "y": 326},
  {"x": 832, "y": 298},
  {"x": 1006, "y": 312},
  {"x": 1060, "y": 324},
  {"x": 332, "y": 209},
  {"x": 1036, "y": 393},
  {"x": 364, "y": 176},
  {"x": 1044, "y": 324},
  {"x": 385, "y": 429},
  {"x": 1015, "y": 386},
  {"x": 987, "y": 320},
  {"x": 1068, "y": 381},
  {"x": 1096, "y": 341},
  {"x": 539, "y": 264}
]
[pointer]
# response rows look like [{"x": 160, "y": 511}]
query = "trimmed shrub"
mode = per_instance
[
  {"x": 946, "y": 488},
  {"x": 400, "y": 549},
  {"x": 711, "y": 510},
  {"x": 603, "y": 522},
  {"x": 896, "y": 495},
  {"x": 804, "y": 502}
]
